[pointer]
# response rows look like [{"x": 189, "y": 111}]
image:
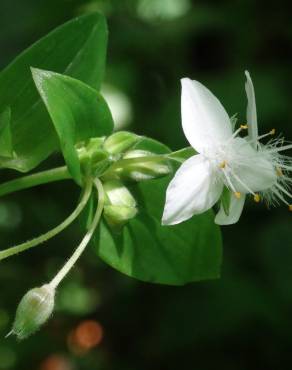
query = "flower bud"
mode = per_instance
[
  {"x": 119, "y": 142},
  {"x": 117, "y": 216},
  {"x": 86, "y": 149},
  {"x": 146, "y": 168},
  {"x": 34, "y": 310},
  {"x": 93, "y": 158},
  {"x": 120, "y": 205}
]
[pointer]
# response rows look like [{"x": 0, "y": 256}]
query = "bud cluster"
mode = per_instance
[
  {"x": 133, "y": 164},
  {"x": 116, "y": 157},
  {"x": 117, "y": 160},
  {"x": 93, "y": 158}
]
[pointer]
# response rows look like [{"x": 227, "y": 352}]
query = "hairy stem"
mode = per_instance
[
  {"x": 51, "y": 233},
  {"x": 78, "y": 251},
  {"x": 25, "y": 182}
]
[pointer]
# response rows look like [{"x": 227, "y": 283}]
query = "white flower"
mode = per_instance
[{"x": 242, "y": 165}]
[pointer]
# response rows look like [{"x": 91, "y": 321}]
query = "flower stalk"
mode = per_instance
[
  {"x": 53, "y": 232},
  {"x": 81, "y": 247},
  {"x": 29, "y": 181}
]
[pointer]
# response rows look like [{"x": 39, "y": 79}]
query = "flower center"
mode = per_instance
[
  {"x": 248, "y": 169},
  {"x": 245, "y": 169}
]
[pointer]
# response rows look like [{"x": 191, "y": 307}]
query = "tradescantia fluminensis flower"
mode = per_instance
[
  {"x": 121, "y": 173},
  {"x": 226, "y": 162}
]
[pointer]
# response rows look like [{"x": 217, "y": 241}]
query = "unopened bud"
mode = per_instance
[
  {"x": 34, "y": 310},
  {"x": 147, "y": 166},
  {"x": 86, "y": 149},
  {"x": 93, "y": 158},
  {"x": 120, "y": 142},
  {"x": 120, "y": 205},
  {"x": 118, "y": 216}
]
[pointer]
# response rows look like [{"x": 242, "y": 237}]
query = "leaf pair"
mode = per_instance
[{"x": 77, "y": 49}]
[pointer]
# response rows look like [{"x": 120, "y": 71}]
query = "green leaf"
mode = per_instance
[
  {"x": 78, "y": 112},
  {"x": 225, "y": 200},
  {"x": 5, "y": 134},
  {"x": 148, "y": 251},
  {"x": 78, "y": 49}
]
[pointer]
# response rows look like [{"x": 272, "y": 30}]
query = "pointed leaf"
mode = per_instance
[
  {"x": 78, "y": 112},
  {"x": 78, "y": 49},
  {"x": 225, "y": 200}
]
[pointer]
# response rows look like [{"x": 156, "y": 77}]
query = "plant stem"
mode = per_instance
[
  {"x": 56, "y": 174},
  {"x": 78, "y": 251},
  {"x": 51, "y": 233}
]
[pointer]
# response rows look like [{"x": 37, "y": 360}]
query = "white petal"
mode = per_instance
[
  {"x": 251, "y": 112},
  {"x": 192, "y": 191},
  {"x": 235, "y": 210},
  {"x": 204, "y": 119},
  {"x": 255, "y": 171},
  {"x": 259, "y": 176}
]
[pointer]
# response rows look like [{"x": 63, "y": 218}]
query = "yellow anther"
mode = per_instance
[
  {"x": 244, "y": 127},
  {"x": 279, "y": 172},
  {"x": 223, "y": 164},
  {"x": 273, "y": 131},
  {"x": 290, "y": 207},
  {"x": 237, "y": 194},
  {"x": 257, "y": 198}
]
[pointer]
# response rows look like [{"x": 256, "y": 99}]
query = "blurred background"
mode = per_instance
[{"x": 103, "y": 319}]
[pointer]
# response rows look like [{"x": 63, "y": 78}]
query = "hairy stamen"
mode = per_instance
[
  {"x": 283, "y": 190},
  {"x": 242, "y": 183},
  {"x": 280, "y": 149},
  {"x": 236, "y": 193}
]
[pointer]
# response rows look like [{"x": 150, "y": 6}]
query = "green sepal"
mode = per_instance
[
  {"x": 182, "y": 154},
  {"x": 120, "y": 205},
  {"x": 225, "y": 200},
  {"x": 121, "y": 141},
  {"x": 117, "y": 216},
  {"x": 233, "y": 121},
  {"x": 142, "y": 165},
  {"x": 34, "y": 309}
]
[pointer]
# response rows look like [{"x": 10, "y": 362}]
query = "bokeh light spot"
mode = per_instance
[
  {"x": 7, "y": 358},
  {"x": 10, "y": 215},
  {"x": 87, "y": 335},
  {"x": 56, "y": 362},
  {"x": 162, "y": 9},
  {"x": 4, "y": 318},
  {"x": 76, "y": 299},
  {"x": 119, "y": 104}
]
